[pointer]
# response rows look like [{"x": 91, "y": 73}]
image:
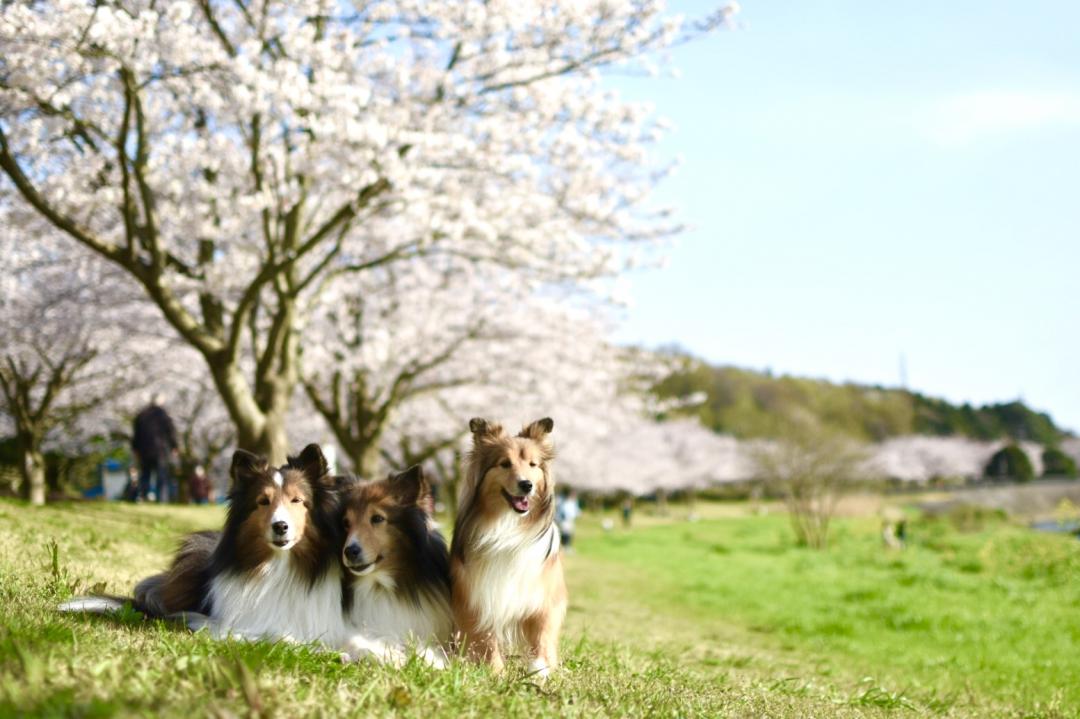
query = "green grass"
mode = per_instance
[
  {"x": 985, "y": 621},
  {"x": 715, "y": 618}
]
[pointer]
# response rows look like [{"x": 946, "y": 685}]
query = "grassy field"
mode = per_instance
[{"x": 720, "y": 617}]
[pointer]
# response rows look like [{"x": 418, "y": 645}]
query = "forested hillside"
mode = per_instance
[{"x": 748, "y": 404}]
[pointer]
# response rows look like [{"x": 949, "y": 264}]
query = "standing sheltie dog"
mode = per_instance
[
  {"x": 396, "y": 570},
  {"x": 506, "y": 572},
  {"x": 272, "y": 571}
]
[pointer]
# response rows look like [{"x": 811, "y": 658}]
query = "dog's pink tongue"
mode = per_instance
[{"x": 521, "y": 504}]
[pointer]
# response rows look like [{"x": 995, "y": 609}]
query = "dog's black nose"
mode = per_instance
[
  {"x": 353, "y": 552},
  {"x": 280, "y": 527},
  {"x": 525, "y": 486}
]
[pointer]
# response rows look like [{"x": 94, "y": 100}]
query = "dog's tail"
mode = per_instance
[
  {"x": 178, "y": 594},
  {"x": 110, "y": 605},
  {"x": 148, "y": 595},
  {"x": 147, "y": 601},
  {"x": 96, "y": 605}
]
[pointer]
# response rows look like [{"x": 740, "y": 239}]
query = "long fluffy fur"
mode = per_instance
[
  {"x": 254, "y": 590},
  {"x": 404, "y": 601},
  {"x": 235, "y": 583},
  {"x": 508, "y": 588}
]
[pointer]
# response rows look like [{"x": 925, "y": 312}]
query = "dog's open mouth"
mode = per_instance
[
  {"x": 280, "y": 542},
  {"x": 362, "y": 569},
  {"x": 518, "y": 504}
]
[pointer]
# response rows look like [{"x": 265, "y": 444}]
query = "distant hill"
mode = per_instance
[{"x": 750, "y": 404}]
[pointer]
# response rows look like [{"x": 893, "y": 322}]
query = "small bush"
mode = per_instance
[
  {"x": 1010, "y": 462},
  {"x": 1058, "y": 464}
]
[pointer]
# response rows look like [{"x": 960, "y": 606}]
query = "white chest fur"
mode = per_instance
[
  {"x": 380, "y": 610},
  {"x": 503, "y": 576},
  {"x": 276, "y": 602}
]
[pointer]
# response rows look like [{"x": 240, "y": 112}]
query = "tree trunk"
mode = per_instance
[
  {"x": 33, "y": 471},
  {"x": 257, "y": 431},
  {"x": 365, "y": 458},
  {"x": 453, "y": 484},
  {"x": 272, "y": 442},
  {"x": 185, "y": 468}
]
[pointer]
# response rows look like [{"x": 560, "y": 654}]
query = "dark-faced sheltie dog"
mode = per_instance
[
  {"x": 272, "y": 572},
  {"x": 506, "y": 571},
  {"x": 395, "y": 571}
]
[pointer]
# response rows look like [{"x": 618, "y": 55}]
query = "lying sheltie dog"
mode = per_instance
[
  {"x": 506, "y": 572},
  {"x": 272, "y": 572},
  {"x": 396, "y": 576}
]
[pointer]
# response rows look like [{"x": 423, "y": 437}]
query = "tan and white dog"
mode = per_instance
[{"x": 506, "y": 571}]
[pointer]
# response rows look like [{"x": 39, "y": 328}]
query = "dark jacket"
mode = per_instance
[{"x": 154, "y": 436}]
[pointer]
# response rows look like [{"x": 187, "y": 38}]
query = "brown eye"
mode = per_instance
[
  {"x": 297, "y": 500},
  {"x": 377, "y": 519},
  {"x": 263, "y": 500},
  {"x": 505, "y": 464},
  {"x": 532, "y": 464}
]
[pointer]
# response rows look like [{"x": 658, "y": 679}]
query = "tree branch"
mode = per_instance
[
  {"x": 61, "y": 221},
  {"x": 216, "y": 27}
]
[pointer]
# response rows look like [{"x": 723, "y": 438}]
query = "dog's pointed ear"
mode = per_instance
[
  {"x": 482, "y": 429},
  {"x": 410, "y": 486},
  {"x": 538, "y": 430},
  {"x": 311, "y": 462},
  {"x": 246, "y": 466}
]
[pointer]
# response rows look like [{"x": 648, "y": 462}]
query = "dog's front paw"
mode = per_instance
[
  {"x": 197, "y": 622},
  {"x": 359, "y": 648},
  {"x": 539, "y": 669},
  {"x": 434, "y": 657}
]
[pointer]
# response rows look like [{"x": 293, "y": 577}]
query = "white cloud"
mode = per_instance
[{"x": 970, "y": 117}]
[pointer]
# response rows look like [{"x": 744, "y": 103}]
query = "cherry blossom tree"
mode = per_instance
[
  {"x": 235, "y": 158},
  {"x": 922, "y": 458},
  {"x": 393, "y": 339},
  {"x": 62, "y": 318},
  {"x": 445, "y": 346},
  {"x": 405, "y": 365},
  {"x": 640, "y": 456},
  {"x": 406, "y": 361}
]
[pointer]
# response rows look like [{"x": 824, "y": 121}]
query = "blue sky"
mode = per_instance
[{"x": 869, "y": 179}]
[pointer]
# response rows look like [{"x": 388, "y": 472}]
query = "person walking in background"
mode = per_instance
[
  {"x": 565, "y": 515},
  {"x": 627, "y": 511},
  {"x": 199, "y": 485},
  {"x": 153, "y": 440}
]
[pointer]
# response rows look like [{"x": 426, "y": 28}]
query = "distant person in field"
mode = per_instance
[
  {"x": 199, "y": 486},
  {"x": 153, "y": 440},
  {"x": 893, "y": 527},
  {"x": 565, "y": 515},
  {"x": 627, "y": 511}
]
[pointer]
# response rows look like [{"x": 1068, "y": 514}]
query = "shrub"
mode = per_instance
[
  {"x": 1010, "y": 462},
  {"x": 1058, "y": 464},
  {"x": 812, "y": 469}
]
